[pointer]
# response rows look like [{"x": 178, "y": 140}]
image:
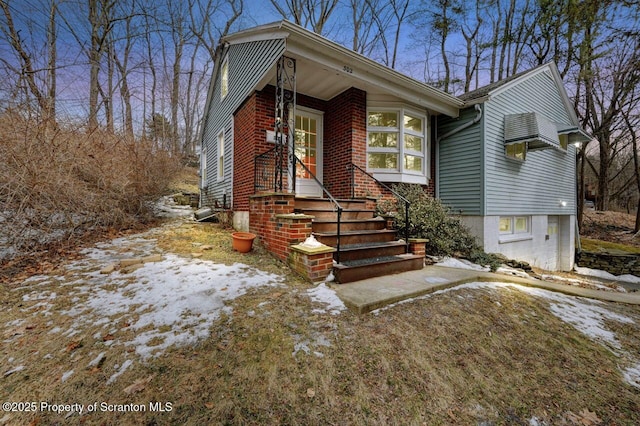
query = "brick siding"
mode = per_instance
[{"x": 345, "y": 139}]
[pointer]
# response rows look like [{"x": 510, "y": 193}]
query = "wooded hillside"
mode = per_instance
[{"x": 142, "y": 67}]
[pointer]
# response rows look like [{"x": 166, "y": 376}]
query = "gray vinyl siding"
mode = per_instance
[
  {"x": 538, "y": 184},
  {"x": 460, "y": 170},
  {"x": 248, "y": 63}
]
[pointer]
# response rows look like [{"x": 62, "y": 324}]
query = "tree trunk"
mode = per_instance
[
  {"x": 94, "y": 64},
  {"x": 52, "y": 64},
  {"x": 581, "y": 194},
  {"x": 636, "y": 164},
  {"x": 494, "y": 46},
  {"x": 175, "y": 93},
  {"x": 108, "y": 101}
]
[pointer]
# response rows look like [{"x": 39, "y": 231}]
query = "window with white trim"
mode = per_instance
[
  {"x": 221, "y": 155},
  {"x": 224, "y": 79},
  {"x": 515, "y": 225},
  {"x": 396, "y": 141}
]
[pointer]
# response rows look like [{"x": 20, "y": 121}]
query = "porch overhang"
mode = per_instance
[{"x": 326, "y": 69}]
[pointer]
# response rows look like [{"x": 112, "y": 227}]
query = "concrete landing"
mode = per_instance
[{"x": 373, "y": 293}]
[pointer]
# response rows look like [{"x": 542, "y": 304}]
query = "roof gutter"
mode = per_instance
[{"x": 452, "y": 132}]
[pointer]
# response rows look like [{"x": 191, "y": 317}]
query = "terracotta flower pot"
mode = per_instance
[{"x": 243, "y": 241}]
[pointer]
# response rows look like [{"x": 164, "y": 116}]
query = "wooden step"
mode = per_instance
[
  {"x": 356, "y": 237},
  {"x": 376, "y": 223},
  {"x": 371, "y": 250},
  {"x": 303, "y": 203},
  {"x": 350, "y": 271},
  {"x": 331, "y": 214}
]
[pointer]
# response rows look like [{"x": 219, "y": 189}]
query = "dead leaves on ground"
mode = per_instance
[
  {"x": 72, "y": 346},
  {"x": 138, "y": 385},
  {"x": 584, "y": 418}
]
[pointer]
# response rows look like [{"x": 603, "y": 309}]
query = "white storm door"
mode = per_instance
[
  {"x": 552, "y": 243},
  {"x": 308, "y": 149}
]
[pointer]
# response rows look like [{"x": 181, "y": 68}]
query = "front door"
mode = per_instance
[{"x": 308, "y": 148}]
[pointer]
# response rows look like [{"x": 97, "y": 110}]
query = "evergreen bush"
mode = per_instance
[{"x": 433, "y": 221}]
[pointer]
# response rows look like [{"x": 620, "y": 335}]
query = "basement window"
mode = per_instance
[{"x": 514, "y": 228}]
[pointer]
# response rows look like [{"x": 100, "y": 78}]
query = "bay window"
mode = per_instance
[{"x": 396, "y": 144}]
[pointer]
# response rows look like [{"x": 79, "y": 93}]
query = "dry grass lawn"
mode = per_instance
[{"x": 468, "y": 356}]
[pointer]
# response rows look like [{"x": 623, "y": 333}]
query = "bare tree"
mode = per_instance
[
  {"x": 606, "y": 88},
  {"x": 470, "y": 32},
  {"x": 444, "y": 21},
  {"x": 632, "y": 124},
  {"x": 52, "y": 63},
  {"x": 312, "y": 14},
  {"x": 364, "y": 16},
  {"x": 25, "y": 67},
  {"x": 121, "y": 58}
]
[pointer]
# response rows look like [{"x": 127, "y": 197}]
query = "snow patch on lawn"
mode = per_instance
[
  {"x": 171, "y": 302},
  {"x": 14, "y": 370},
  {"x": 606, "y": 275},
  {"x": 66, "y": 375},
  {"x": 632, "y": 375},
  {"x": 120, "y": 369},
  {"x": 452, "y": 262},
  {"x": 94, "y": 362},
  {"x": 328, "y": 297},
  {"x": 587, "y": 316}
]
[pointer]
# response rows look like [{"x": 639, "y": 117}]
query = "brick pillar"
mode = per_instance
[
  {"x": 314, "y": 264},
  {"x": 345, "y": 139},
  {"x": 417, "y": 246}
]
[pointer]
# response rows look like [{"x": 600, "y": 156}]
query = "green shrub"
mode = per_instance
[
  {"x": 480, "y": 257},
  {"x": 430, "y": 219}
]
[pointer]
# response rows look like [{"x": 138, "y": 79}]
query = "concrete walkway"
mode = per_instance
[{"x": 366, "y": 295}]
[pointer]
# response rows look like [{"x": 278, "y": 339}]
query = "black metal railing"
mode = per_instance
[
  {"x": 407, "y": 204},
  {"x": 335, "y": 202},
  {"x": 264, "y": 171}
]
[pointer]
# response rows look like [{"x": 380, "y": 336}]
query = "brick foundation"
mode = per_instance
[{"x": 271, "y": 217}]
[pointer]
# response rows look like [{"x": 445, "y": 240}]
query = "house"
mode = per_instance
[
  {"x": 507, "y": 166},
  {"x": 302, "y": 136}
]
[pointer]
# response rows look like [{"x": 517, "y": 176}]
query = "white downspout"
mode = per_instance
[{"x": 465, "y": 125}]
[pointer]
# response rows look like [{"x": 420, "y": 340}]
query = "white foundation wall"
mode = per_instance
[
  {"x": 550, "y": 248},
  {"x": 241, "y": 221}
]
